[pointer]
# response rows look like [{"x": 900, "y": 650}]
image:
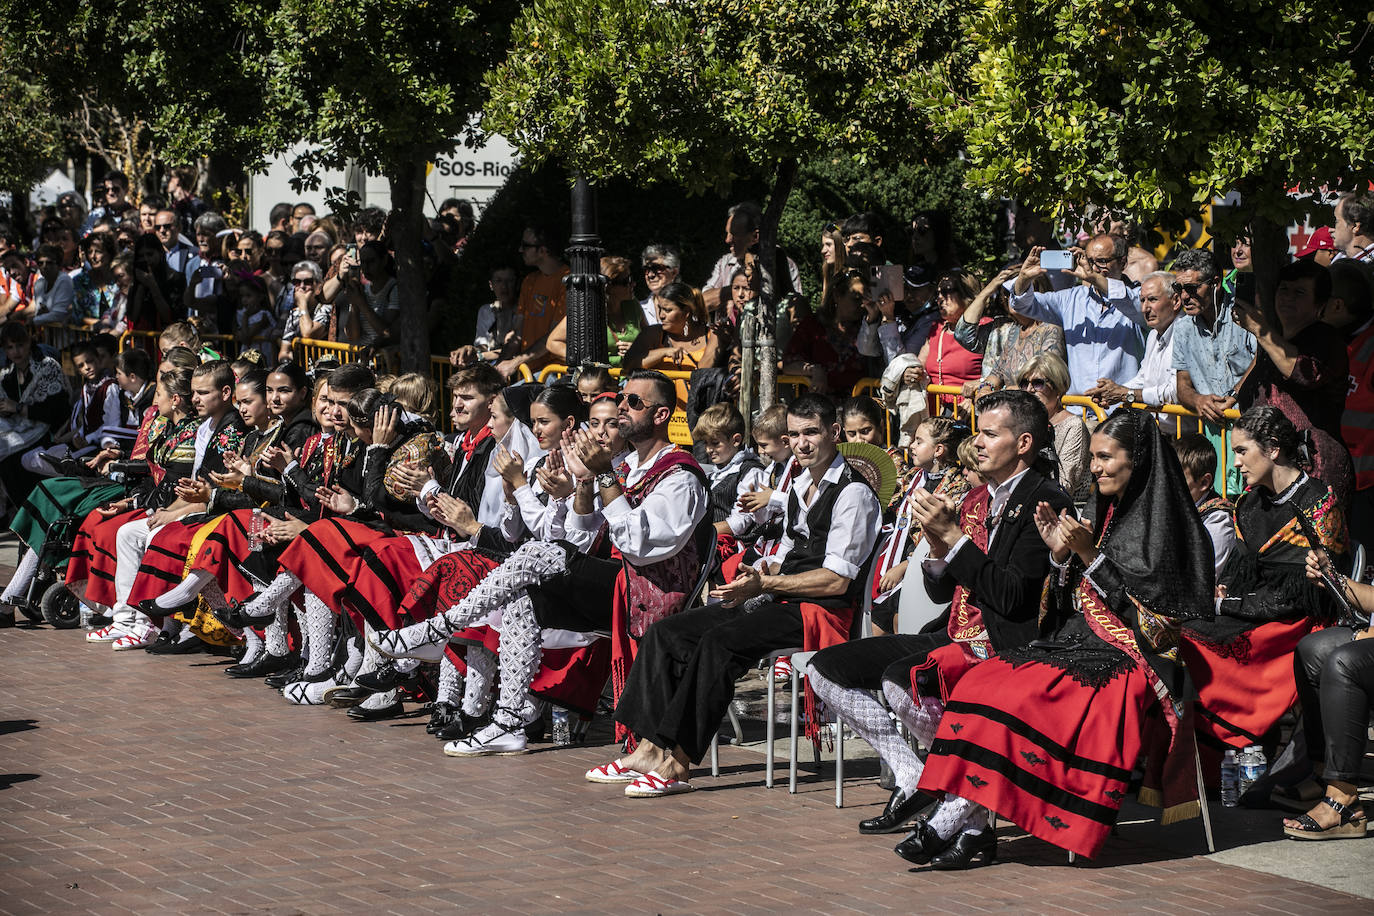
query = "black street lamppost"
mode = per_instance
[{"x": 586, "y": 285}]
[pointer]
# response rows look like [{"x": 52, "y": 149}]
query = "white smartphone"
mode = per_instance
[{"x": 1053, "y": 259}]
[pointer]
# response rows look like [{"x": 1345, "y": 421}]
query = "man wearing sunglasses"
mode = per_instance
[
  {"x": 1212, "y": 352},
  {"x": 806, "y": 594},
  {"x": 182, "y": 256},
  {"x": 1104, "y": 329}
]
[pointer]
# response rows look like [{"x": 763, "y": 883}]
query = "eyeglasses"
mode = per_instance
[
  {"x": 303, "y": 281},
  {"x": 1102, "y": 262},
  {"x": 161, "y": 226},
  {"x": 1034, "y": 384},
  {"x": 1192, "y": 289},
  {"x": 655, "y": 269},
  {"x": 635, "y": 402},
  {"x": 831, "y": 227}
]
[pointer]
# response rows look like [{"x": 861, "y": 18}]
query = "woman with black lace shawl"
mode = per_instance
[
  {"x": 1242, "y": 661},
  {"x": 1046, "y": 735}
]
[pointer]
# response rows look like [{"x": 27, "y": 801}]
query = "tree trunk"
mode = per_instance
[
  {"x": 781, "y": 282},
  {"x": 406, "y": 236}
]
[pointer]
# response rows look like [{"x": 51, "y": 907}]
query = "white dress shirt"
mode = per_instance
[
  {"x": 1157, "y": 380},
  {"x": 658, "y": 527},
  {"x": 755, "y": 478},
  {"x": 1221, "y": 527},
  {"x": 854, "y": 522}
]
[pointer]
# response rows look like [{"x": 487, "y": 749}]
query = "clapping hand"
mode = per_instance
[
  {"x": 456, "y": 514},
  {"x": 385, "y": 424},
  {"x": 554, "y": 478},
  {"x": 193, "y": 490},
  {"x": 1047, "y": 523},
  {"x": 938, "y": 517},
  {"x": 748, "y": 583},
  {"x": 278, "y": 457},
  {"x": 595, "y": 457},
  {"x": 411, "y": 478},
  {"x": 336, "y": 499},
  {"x": 511, "y": 467},
  {"x": 755, "y": 500}
]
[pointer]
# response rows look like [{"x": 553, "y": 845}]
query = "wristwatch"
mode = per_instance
[{"x": 607, "y": 480}]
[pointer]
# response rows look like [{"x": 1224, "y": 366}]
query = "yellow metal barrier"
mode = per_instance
[{"x": 867, "y": 386}]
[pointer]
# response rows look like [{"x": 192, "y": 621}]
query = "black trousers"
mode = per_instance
[
  {"x": 864, "y": 664},
  {"x": 579, "y": 599},
  {"x": 683, "y": 678},
  {"x": 1335, "y": 677}
]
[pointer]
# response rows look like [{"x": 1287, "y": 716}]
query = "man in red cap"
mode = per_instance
[{"x": 1320, "y": 247}]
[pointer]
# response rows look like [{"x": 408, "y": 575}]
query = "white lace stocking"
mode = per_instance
[
  {"x": 520, "y": 656},
  {"x": 317, "y": 627},
  {"x": 873, "y": 723},
  {"x": 478, "y": 683}
]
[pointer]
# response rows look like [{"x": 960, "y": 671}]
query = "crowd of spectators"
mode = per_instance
[{"x": 1139, "y": 393}]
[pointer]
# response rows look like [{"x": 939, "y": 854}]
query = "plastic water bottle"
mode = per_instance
[
  {"x": 562, "y": 727},
  {"x": 1252, "y": 767},
  {"x": 256, "y": 526},
  {"x": 1230, "y": 778}
]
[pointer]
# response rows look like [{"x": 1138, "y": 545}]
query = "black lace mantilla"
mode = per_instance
[{"x": 1092, "y": 664}]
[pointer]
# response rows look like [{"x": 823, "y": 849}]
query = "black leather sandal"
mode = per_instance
[{"x": 1352, "y": 824}]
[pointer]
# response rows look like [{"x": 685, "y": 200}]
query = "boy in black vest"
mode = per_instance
[
  {"x": 734, "y": 471},
  {"x": 684, "y": 673}
]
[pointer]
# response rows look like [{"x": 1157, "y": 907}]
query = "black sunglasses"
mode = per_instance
[
  {"x": 1191, "y": 289},
  {"x": 635, "y": 402}
]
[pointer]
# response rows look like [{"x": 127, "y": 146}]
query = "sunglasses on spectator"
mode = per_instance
[
  {"x": 655, "y": 269},
  {"x": 635, "y": 402},
  {"x": 831, "y": 227},
  {"x": 1034, "y": 384},
  {"x": 1192, "y": 289},
  {"x": 160, "y": 226},
  {"x": 303, "y": 281}
]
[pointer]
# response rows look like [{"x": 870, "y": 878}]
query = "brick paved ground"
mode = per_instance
[{"x": 145, "y": 784}]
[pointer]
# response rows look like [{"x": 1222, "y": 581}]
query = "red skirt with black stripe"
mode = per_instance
[
  {"x": 446, "y": 582},
  {"x": 93, "y": 559},
  {"x": 227, "y": 555},
  {"x": 164, "y": 561},
  {"x": 1246, "y": 684},
  {"x": 1041, "y": 749},
  {"x": 326, "y": 555}
]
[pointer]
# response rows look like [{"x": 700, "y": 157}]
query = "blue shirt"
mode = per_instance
[
  {"x": 1103, "y": 337},
  {"x": 1215, "y": 358}
]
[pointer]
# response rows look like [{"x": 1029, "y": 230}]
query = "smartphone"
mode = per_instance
[
  {"x": 888, "y": 278},
  {"x": 1245, "y": 287},
  {"x": 1053, "y": 259}
]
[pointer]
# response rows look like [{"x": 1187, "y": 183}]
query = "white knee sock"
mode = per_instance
[
  {"x": 274, "y": 596},
  {"x": 450, "y": 683},
  {"x": 520, "y": 657},
  {"x": 478, "y": 683},
  {"x": 189, "y": 588},
  {"x": 23, "y": 575},
  {"x": 254, "y": 647},
  {"x": 317, "y": 626},
  {"x": 275, "y": 633},
  {"x": 874, "y": 724},
  {"x": 923, "y": 719}
]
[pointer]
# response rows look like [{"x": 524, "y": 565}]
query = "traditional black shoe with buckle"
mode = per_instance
[
  {"x": 899, "y": 811},
  {"x": 186, "y": 646},
  {"x": 346, "y": 697},
  {"x": 363, "y": 714},
  {"x": 159, "y": 645}
]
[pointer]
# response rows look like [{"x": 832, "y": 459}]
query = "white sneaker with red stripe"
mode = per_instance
[
  {"x": 652, "y": 785},
  {"x": 107, "y": 633},
  {"x": 136, "y": 638},
  {"x": 782, "y": 670}
]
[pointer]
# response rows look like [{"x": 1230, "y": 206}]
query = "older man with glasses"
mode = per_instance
[
  {"x": 662, "y": 264},
  {"x": 1104, "y": 329},
  {"x": 1156, "y": 382}
]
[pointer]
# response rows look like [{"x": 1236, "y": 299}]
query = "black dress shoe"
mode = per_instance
[
  {"x": 965, "y": 848},
  {"x": 263, "y": 665},
  {"x": 159, "y": 645},
  {"x": 363, "y": 714},
  {"x": 6, "y": 619},
  {"x": 177, "y": 646},
  {"x": 385, "y": 677},
  {"x": 462, "y": 726},
  {"x": 923, "y": 845},
  {"x": 900, "y": 809},
  {"x": 440, "y": 715},
  {"x": 151, "y": 608},
  {"x": 280, "y": 679}
]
